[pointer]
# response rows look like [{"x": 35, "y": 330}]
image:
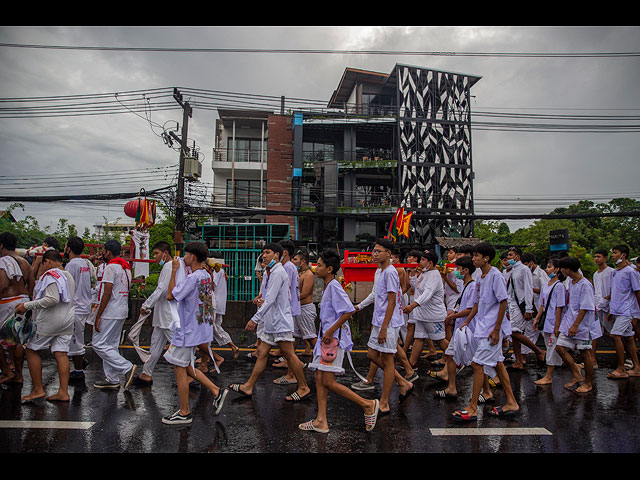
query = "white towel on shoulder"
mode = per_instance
[{"x": 54, "y": 275}]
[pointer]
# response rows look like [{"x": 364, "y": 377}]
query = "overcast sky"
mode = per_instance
[{"x": 509, "y": 163}]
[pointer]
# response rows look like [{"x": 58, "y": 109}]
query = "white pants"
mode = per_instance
[
  {"x": 160, "y": 337},
  {"x": 76, "y": 347},
  {"x": 57, "y": 343},
  {"x": 219, "y": 334},
  {"x": 552, "y": 357},
  {"x": 531, "y": 334},
  {"x": 105, "y": 343}
]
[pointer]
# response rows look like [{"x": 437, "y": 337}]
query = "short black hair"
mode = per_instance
[
  {"x": 289, "y": 246},
  {"x": 113, "y": 246},
  {"x": 52, "y": 255},
  {"x": 331, "y": 259},
  {"x": 465, "y": 249},
  {"x": 503, "y": 255},
  {"x": 274, "y": 247},
  {"x": 517, "y": 250},
  {"x": 571, "y": 263},
  {"x": 162, "y": 246},
  {"x": 75, "y": 244},
  {"x": 485, "y": 249},
  {"x": 397, "y": 253},
  {"x": 386, "y": 243},
  {"x": 304, "y": 255},
  {"x": 603, "y": 252},
  {"x": 455, "y": 249},
  {"x": 431, "y": 256},
  {"x": 527, "y": 257},
  {"x": 466, "y": 262},
  {"x": 622, "y": 249},
  {"x": 9, "y": 240},
  {"x": 414, "y": 253},
  {"x": 52, "y": 242},
  {"x": 555, "y": 261},
  {"x": 199, "y": 249}
]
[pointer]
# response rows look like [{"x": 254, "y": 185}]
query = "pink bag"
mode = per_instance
[{"x": 329, "y": 351}]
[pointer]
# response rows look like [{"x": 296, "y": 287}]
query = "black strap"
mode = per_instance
[
  {"x": 546, "y": 307},
  {"x": 459, "y": 300}
]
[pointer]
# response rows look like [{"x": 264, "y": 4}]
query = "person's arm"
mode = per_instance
[
  {"x": 425, "y": 296},
  {"x": 158, "y": 293},
  {"x": 450, "y": 282},
  {"x": 472, "y": 313},
  {"x": 494, "y": 336},
  {"x": 270, "y": 300},
  {"x": 50, "y": 298},
  {"x": 528, "y": 294},
  {"x": 573, "y": 330},
  {"x": 556, "y": 327},
  {"x": 175, "y": 265},
  {"x": 306, "y": 287},
  {"x": 107, "y": 289},
  {"x": 328, "y": 335}
]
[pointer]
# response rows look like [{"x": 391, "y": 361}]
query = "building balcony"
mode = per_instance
[{"x": 224, "y": 160}]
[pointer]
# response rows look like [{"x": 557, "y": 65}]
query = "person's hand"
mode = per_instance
[
  {"x": 175, "y": 263},
  {"x": 573, "y": 331},
  {"x": 535, "y": 323},
  {"x": 450, "y": 317},
  {"x": 328, "y": 335},
  {"x": 382, "y": 335},
  {"x": 21, "y": 309},
  {"x": 251, "y": 326},
  {"x": 144, "y": 311},
  {"x": 494, "y": 337},
  {"x": 556, "y": 332},
  {"x": 96, "y": 325},
  {"x": 528, "y": 316},
  {"x": 407, "y": 309}
]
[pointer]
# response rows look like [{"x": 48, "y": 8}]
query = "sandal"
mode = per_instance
[
  {"x": 434, "y": 375},
  {"x": 308, "y": 426},
  {"x": 370, "y": 420},
  {"x": 463, "y": 416},
  {"x": 443, "y": 394},
  {"x": 235, "y": 387},
  {"x": 295, "y": 397},
  {"x": 483, "y": 399},
  {"x": 499, "y": 412},
  {"x": 283, "y": 380}
]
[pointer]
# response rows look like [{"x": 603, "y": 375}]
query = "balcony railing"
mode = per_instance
[{"x": 241, "y": 155}]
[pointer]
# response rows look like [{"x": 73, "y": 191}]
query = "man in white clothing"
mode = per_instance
[
  {"x": 53, "y": 302},
  {"x": 162, "y": 317},
  {"x": 602, "y": 295},
  {"x": 538, "y": 279},
  {"x": 82, "y": 272},
  {"x": 113, "y": 310}
]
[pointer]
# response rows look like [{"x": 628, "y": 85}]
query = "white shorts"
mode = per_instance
[
  {"x": 488, "y": 356},
  {"x": 573, "y": 343},
  {"x": 333, "y": 367},
  {"x": 180, "y": 356},
  {"x": 58, "y": 343},
  {"x": 390, "y": 345},
  {"x": 304, "y": 325},
  {"x": 552, "y": 358},
  {"x": 606, "y": 325},
  {"x": 518, "y": 323},
  {"x": 622, "y": 326},
  {"x": 430, "y": 330},
  {"x": 273, "y": 338}
]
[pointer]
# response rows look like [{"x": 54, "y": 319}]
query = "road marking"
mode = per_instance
[
  {"x": 489, "y": 431},
  {"x": 45, "y": 424}
]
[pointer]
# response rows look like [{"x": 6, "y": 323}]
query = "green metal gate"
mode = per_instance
[{"x": 240, "y": 245}]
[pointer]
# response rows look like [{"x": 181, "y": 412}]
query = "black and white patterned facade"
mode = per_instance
[{"x": 434, "y": 138}]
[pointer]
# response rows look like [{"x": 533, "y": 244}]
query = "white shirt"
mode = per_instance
[
  {"x": 118, "y": 306},
  {"x": 539, "y": 278},
  {"x": 520, "y": 285},
  {"x": 294, "y": 287},
  {"x": 80, "y": 270},
  {"x": 158, "y": 299},
  {"x": 220, "y": 291},
  {"x": 602, "y": 286},
  {"x": 388, "y": 282},
  {"x": 429, "y": 295},
  {"x": 275, "y": 312},
  {"x": 54, "y": 317},
  {"x": 492, "y": 290}
]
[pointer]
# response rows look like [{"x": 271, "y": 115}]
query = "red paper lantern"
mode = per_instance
[{"x": 131, "y": 208}]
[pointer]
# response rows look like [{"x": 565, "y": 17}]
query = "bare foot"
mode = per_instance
[
  {"x": 368, "y": 410},
  {"x": 584, "y": 388},
  {"x": 543, "y": 381},
  {"x": 236, "y": 353},
  {"x": 7, "y": 378},
  {"x": 59, "y": 397},
  {"x": 573, "y": 381},
  {"x": 403, "y": 389},
  {"x": 33, "y": 396}
]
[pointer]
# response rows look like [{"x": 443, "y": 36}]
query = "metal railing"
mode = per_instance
[{"x": 241, "y": 155}]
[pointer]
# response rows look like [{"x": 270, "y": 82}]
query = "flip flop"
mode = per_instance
[
  {"x": 235, "y": 387},
  {"x": 483, "y": 399},
  {"x": 443, "y": 394},
  {"x": 617, "y": 376},
  {"x": 403, "y": 397},
  {"x": 309, "y": 427},
  {"x": 434, "y": 375},
  {"x": 500, "y": 413},
  {"x": 370, "y": 420},
  {"x": 295, "y": 397},
  {"x": 283, "y": 380},
  {"x": 463, "y": 416}
]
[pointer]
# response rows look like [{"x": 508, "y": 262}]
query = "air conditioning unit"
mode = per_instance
[{"x": 192, "y": 169}]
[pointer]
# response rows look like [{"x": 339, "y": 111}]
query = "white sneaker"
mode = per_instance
[
  {"x": 219, "y": 400},
  {"x": 177, "y": 419},
  {"x": 363, "y": 386}
]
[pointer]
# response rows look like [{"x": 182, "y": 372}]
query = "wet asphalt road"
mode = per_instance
[{"x": 551, "y": 419}]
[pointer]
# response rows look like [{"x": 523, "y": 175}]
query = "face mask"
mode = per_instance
[
  {"x": 271, "y": 263},
  {"x": 459, "y": 275},
  {"x": 551, "y": 275},
  {"x": 618, "y": 261},
  {"x": 511, "y": 262},
  {"x": 161, "y": 262}
]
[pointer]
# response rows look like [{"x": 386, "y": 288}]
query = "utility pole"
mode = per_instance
[{"x": 178, "y": 236}]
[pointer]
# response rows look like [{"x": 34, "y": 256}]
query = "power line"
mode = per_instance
[{"x": 330, "y": 51}]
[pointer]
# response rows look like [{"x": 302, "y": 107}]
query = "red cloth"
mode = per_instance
[{"x": 120, "y": 261}]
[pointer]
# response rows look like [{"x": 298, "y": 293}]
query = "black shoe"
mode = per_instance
[{"x": 140, "y": 382}]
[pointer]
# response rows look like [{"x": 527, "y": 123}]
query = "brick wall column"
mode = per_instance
[{"x": 280, "y": 169}]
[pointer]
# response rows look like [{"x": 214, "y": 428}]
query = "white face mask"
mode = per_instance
[{"x": 619, "y": 261}]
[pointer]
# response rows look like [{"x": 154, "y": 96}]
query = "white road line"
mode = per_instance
[
  {"x": 45, "y": 424},
  {"x": 489, "y": 431}
]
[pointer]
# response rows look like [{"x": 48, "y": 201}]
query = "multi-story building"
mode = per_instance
[{"x": 384, "y": 140}]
